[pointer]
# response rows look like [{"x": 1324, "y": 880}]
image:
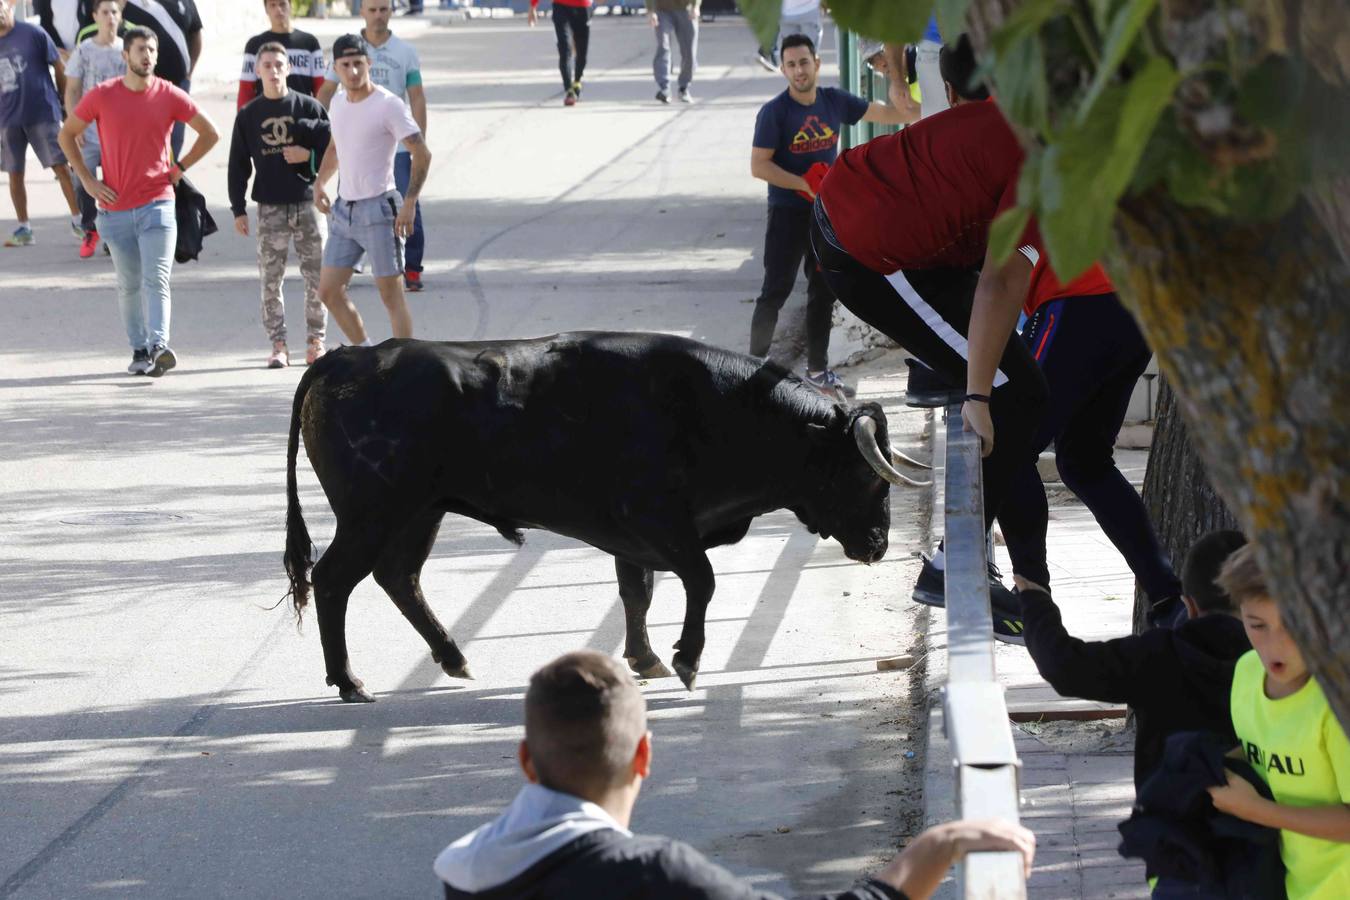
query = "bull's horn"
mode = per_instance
[
  {"x": 900, "y": 459},
  {"x": 865, "y": 436}
]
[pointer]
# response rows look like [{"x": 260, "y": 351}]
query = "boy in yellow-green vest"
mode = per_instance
[{"x": 1289, "y": 734}]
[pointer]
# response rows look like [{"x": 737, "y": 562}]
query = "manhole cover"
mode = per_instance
[{"x": 120, "y": 517}]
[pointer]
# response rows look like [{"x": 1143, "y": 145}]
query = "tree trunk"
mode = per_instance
[
  {"x": 1181, "y": 501},
  {"x": 1251, "y": 325}
]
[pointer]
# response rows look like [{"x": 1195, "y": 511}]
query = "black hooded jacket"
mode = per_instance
[{"x": 1176, "y": 679}]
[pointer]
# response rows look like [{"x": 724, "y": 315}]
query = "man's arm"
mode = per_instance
[
  {"x": 999, "y": 296},
  {"x": 899, "y": 114},
  {"x": 1330, "y": 822},
  {"x": 417, "y": 102},
  {"x": 326, "y": 170},
  {"x": 326, "y": 92},
  {"x": 74, "y": 88},
  {"x": 68, "y": 139},
  {"x": 1123, "y": 670},
  {"x": 421, "y": 164},
  {"x": 241, "y": 167},
  {"x": 764, "y": 168},
  {"x": 207, "y": 137}
]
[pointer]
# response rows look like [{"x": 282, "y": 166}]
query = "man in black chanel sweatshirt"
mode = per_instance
[{"x": 279, "y": 136}]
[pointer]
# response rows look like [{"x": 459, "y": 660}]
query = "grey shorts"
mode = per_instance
[
  {"x": 365, "y": 226},
  {"x": 16, "y": 139}
]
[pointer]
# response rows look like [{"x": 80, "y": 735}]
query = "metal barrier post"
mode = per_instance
[{"x": 975, "y": 714}]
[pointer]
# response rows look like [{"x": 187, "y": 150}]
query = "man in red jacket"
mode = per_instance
[{"x": 572, "y": 22}]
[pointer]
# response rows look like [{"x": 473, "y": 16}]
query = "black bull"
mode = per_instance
[{"x": 649, "y": 447}]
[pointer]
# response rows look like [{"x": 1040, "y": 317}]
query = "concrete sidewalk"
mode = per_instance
[{"x": 1077, "y": 757}]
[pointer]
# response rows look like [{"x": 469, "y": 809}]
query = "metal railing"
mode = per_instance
[{"x": 985, "y": 767}]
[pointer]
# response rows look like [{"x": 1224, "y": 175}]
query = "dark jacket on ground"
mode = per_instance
[
  {"x": 551, "y": 845},
  {"x": 262, "y": 130},
  {"x": 1176, "y": 679},
  {"x": 1179, "y": 834},
  {"x": 195, "y": 224}
]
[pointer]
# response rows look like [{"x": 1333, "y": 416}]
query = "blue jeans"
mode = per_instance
[
  {"x": 417, "y": 241},
  {"x": 142, "y": 242},
  {"x": 685, "y": 30}
]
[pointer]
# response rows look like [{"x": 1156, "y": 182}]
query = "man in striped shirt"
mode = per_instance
[{"x": 304, "y": 55}]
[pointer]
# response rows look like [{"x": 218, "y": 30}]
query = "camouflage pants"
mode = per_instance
[{"x": 278, "y": 225}]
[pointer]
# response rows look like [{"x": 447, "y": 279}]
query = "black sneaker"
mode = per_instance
[
  {"x": 662, "y": 97},
  {"x": 930, "y": 590},
  {"x": 1008, "y": 627},
  {"x": 928, "y": 388},
  {"x": 140, "y": 362},
  {"x": 765, "y": 61},
  {"x": 161, "y": 360}
]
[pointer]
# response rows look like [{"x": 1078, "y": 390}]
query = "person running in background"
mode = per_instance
[
  {"x": 134, "y": 115},
  {"x": 678, "y": 18},
  {"x": 93, "y": 62},
  {"x": 370, "y": 216},
  {"x": 1288, "y": 733},
  {"x": 30, "y": 116},
  {"x": 265, "y": 141},
  {"x": 305, "y": 55},
  {"x": 795, "y": 131},
  {"x": 572, "y": 22},
  {"x": 798, "y": 17},
  {"x": 395, "y": 67}
]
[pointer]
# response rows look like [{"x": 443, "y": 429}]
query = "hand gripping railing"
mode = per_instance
[{"x": 984, "y": 761}]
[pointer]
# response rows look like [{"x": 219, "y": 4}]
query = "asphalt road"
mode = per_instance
[{"x": 166, "y": 732}]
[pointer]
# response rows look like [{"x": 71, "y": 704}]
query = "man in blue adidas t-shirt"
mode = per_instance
[{"x": 794, "y": 131}]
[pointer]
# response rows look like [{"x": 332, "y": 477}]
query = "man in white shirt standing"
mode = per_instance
[
  {"x": 93, "y": 61},
  {"x": 369, "y": 216}
]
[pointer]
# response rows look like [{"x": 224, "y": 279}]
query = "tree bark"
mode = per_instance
[
  {"x": 1181, "y": 501},
  {"x": 1251, "y": 325}
]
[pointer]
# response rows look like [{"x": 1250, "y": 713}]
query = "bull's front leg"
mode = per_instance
[
  {"x": 697, "y": 576},
  {"x": 635, "y": 589}
]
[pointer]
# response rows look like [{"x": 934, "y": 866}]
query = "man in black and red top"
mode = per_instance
[
  {"x": 572, "y": 22},
  {"x": 304, "y": 55},
  {"x": 901, "y": 230},
  {"x": 1092, "y": 354}
]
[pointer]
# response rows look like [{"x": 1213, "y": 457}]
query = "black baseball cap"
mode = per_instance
[{"x": 349, "y": 45}]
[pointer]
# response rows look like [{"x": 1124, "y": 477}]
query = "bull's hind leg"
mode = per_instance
[
  {"x": 399, "y": 572},
  {"x": 346, "y": 561},
  {"x": 635, "y": 588}
]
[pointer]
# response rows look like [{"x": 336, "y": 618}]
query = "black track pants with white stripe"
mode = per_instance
[{"x": 928, "y": 313}]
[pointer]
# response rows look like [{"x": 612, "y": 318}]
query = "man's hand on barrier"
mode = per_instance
[
  {"x": 975, "y": 413},
  {"x": 921, "y": 866}
]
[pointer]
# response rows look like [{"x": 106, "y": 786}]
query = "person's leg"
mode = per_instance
[
  {"x": 274, "y": 245},
  {"x": 308, "y": 237},
  {"x": 157, "y": 234},
  {"x": 18, "y": 195},
  {"x": 661, "y": 61},
  {"x": 416, "y": 243},
  {"x": 581, "y": 32},
  {"x": 93, "y": 158},
  {"x": 384, "y": 250},
  {"x": 13, "y": 159},
  {"x": 819, "y": 304},
  {"x": 118, "y": 229},
  {"x": 562, "y": 27},
  {"x": 63, "y": 178},
  {"x": 686, "y": 30},
  {"x": 340, "y": 254},
  {"x": 783, "y": 250},
  {"x": 396, "y": 304},
  {"x": 1109, "y": 355}
]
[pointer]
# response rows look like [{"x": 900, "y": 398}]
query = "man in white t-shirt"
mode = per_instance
[
  {"x": 394, "y": 66},
  {"x": 369, "y": 216}
]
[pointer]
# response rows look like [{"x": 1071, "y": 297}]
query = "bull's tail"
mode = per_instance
[{"x": 299, "y": 558}]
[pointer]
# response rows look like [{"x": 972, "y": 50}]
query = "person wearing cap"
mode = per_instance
[
  {"x": 369, "y": 216},
  {"x": 394, "y": 66}
]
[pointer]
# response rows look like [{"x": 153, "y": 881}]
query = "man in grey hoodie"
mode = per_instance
[{"x": 586, "y": 753}]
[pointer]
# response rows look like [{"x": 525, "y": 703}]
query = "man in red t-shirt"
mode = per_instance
[
  {"x": 572, "y": 24},
  {"x": 1092, "y": 353},
  {"x": 135, "y": 115},
  {"x": 901, "y": 231}
]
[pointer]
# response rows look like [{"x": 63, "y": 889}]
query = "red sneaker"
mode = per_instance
[
  {"x": 88, "y": 244},
  {"x": 412, "y": 282}
]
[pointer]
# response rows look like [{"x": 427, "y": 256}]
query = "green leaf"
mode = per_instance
[
  {"x": 951, "y": 16},
  {"x": 1125, "y": 27},
  {"x": 1025, "y": 22},
  {"x": 1270, "y": 94},
  {"x": 1019, "y": 73},
  {"x": 1088, "y": 166},
  {"x": 1006, "y": 230},
  {"x": 894, "y": 21},
  {"x": 763, "y": 17}
]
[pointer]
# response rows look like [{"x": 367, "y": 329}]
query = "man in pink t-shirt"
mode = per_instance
[{"x": 136, "y": 196}]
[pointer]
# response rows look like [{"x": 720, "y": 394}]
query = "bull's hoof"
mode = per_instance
[
  {"x": 459, "y": 671},
  {"x": 649, "y": 666},
  {"x": 686, "y": 672},
  {"x": 356, "y": 694}
]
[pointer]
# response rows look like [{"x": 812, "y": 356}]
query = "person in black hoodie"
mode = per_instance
[
  {"x": 1176, "y": 679},
  {"x": 586, "y": 753}
]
